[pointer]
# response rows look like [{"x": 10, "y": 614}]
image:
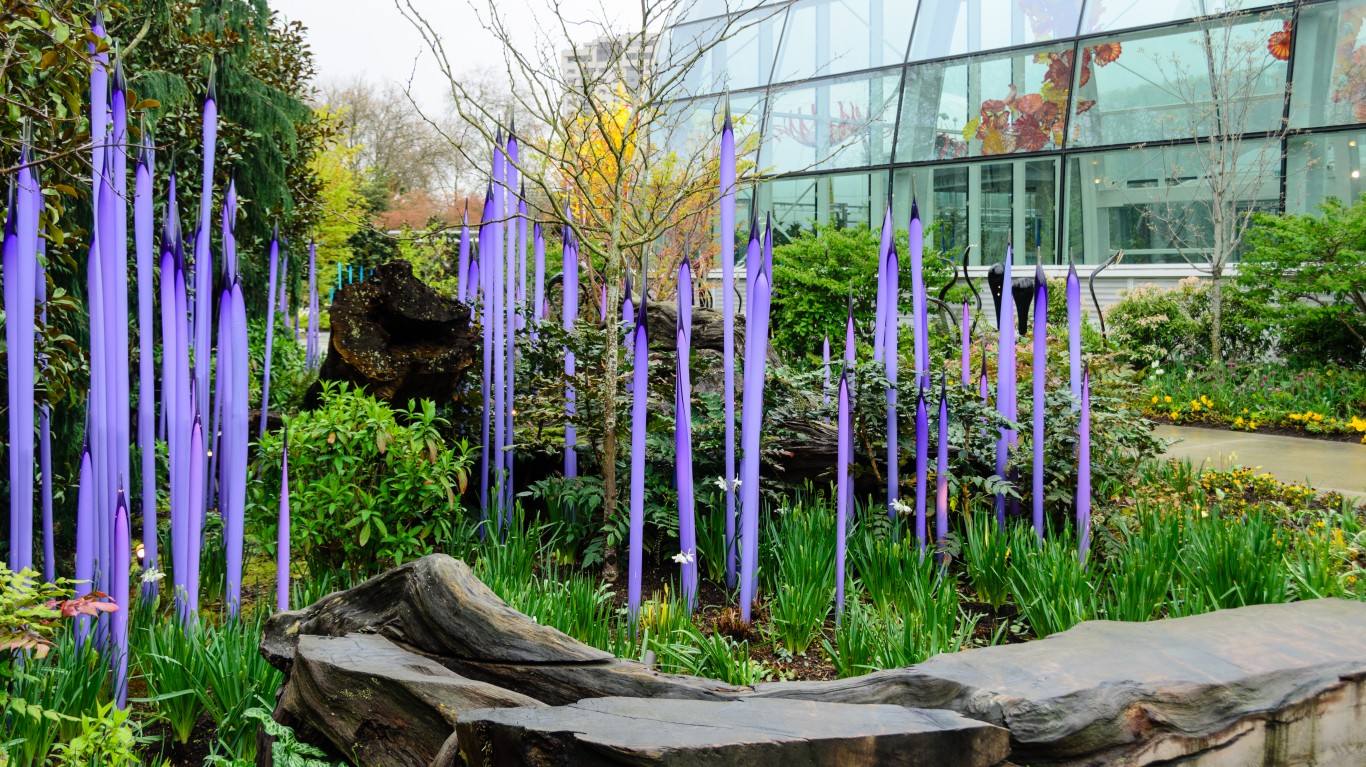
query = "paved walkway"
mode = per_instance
[{"x": 1337, "y": 466}]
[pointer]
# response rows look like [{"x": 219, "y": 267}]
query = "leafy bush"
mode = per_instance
[
  {"x": 370, "y": 486},
  {"x": 1152, "y": 326},
  {"x": 106, "y": 739}
]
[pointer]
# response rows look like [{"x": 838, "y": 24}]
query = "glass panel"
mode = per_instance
[
  {"x": 1109, "y": 15},
  {"x": 998, "y": 214},
  {"x": 794, "y": 205},
  {"x": 1323, "y": 166},
  {"x": 1155, "y": 203},
  {"x": 694, "y": 127},
  {"x": 851, "y": 199},
  {"x": 952, "y": 27},
  {"x": 736, "y": 55},
  {"x": 826, "y": 124},
  {"x": 1156, "y": 85},
  {"x": 829, "y": 37},
  {"x": 1040, "y": 212},
  {"x": 986, "y": 105},
  {"x": 1330, "y": 65},
  {"x": 950, "y": 208}
]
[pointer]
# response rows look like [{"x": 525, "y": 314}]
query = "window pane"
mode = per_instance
[
  {"x": 829, "y": 37},
  {"x": 1110, "y": 15},
  {"x": 952, "y": 27},
  {"x": 851, "y": 199},
  {"x": 836, "y": 123},
  {"x": 1155, "y": 203},
  {"x": 794, "y": 205},
  {"x": 1156, "y": 85},
  {"x": 1323, "y": 166},
  {"x": 694, "y": 127},
  {"x": 986, "y": 105},
  {"x": 736, "y": 55},
  {"x": 1330, "y": 65}
]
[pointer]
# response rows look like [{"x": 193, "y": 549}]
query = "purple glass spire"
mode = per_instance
[
  {"x": 282, "y": 533},
  {"x": 270, "y": 326},
  {"x": 922, "y": 454},
  {"x": 843, "y": 492},
  {"x": 20, "y": 255},
  {"x": 85, "y": 537},
  {"x": 143, "y": 225},
  {"x": 311, "y": 353},
  {"x": 727, "y": 182},
  {"x": 880, "y": 320},
  {"x": 941, "y": 473},
  {"x": 825, "y": 370},
  {"x": 1074, "y": 331},
  {"x": 118, "y": 620},
  {"x": 891, "y": 359},
  {"x": 235, "y": 443},
  {"x": 687, "y": 533},
  {"x": 966, "y": 336},
  {"x": 751, "y": 423},
  {"x": 464, "y": 265},
  {"x": 1040, "y": 368},
  {"x": 639, "y": 391},
  {"x": 918, "y": 301},
  {"x": 570, "y": 283},
  {"x": 1084, "y": 470},
  {"x": 1005, "y": 381},
  {"x": 538, "y": 282},
  {"x": 203, "y": 254}
]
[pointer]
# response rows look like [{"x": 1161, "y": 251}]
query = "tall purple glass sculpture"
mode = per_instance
[
  {"x": 45, "y": 437},
  {"x": 891, "y": 360},
  {"x": 118, "y": 621},
  {"x": 1005, "y": 382},
  {"x": 282, "y": 533},
  {"x": 1074, "y": 331},
  {"x": 85, "y": 537},
  {"x": 848, "y": 374},
  {"x": 20, "y": 254},
  {"x": 843, "y": 491},
  {"x": 922, "y": 454},
  {"x": 941, "y": 472},
  {"x": 727, "y": 178},
  {"x": 497, "y": 267},
  {"x": 825, "y": 370},
  {"x": 751, "y": 424},
  {"x": 918, "y": 300},
  {"x": 687, "y": 532},
  {"x": 464, "y": 264},
  {"x": 1040, "y": 368},
  {"x": 143, "y": 226},
  {"x": 270, "y": 326},
  {"x": 510, "y": 324},
  {"x": 640, "y": 374},
  {"x": 235, "y": 443},
  {"x": 193, "y": 524},
  {"x": 966, "y": 338},
  {"x": 311, "y": 342},
  {"x": 486, "y": 456},
  {"x": 117, "y": 277},
  {"x": 203, "y": 255},
  {"x": 888, "y": 244},
  {"x": 538, "y": 280},
  {"x": 570, "y": 283},
  {"x": 1084, "y": 470}
]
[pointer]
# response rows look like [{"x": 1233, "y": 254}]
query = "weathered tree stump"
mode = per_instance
[{"x": 398, "y": 338}]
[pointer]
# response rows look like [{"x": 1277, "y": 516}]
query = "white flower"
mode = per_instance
[
  {"x": 1158, "y": 372},
  {"x": 152, "y": 575},
  {"x": 901, "y": 507},
  {"x": 683, "y": 557},
  {"x": 721, "y": 483}
]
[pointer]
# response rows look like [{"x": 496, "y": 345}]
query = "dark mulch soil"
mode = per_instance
[
  {"x": 163, "y": 745},
  {"x": 1279, "y": 431}
]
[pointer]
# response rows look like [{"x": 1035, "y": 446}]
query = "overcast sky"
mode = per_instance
[{"x": 371, "y": 38}]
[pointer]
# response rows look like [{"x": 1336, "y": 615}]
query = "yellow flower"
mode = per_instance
[
  {"x": 1167, "y": 400},
  {"x": 1238, "y": 422},
  {"x": 1154, "y": 399}
]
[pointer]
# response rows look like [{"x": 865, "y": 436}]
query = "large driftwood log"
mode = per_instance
[
  {"x": 398, "y": 338},
  {"x": 1271, "y": 685}
]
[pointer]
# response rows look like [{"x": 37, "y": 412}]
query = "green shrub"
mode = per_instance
[
  {"x": 370, "y": 486},
  {"x": 1152, "y": 326},
  {"x": 106, "y": 739}
]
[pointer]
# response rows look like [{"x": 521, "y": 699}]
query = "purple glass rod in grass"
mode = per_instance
[
  {"x": 1005, "y": 382},
  {"x": 107, "y": 447},
  {"x": 12, "y": 330},
  {"x": 825, "y": 370},
  {"x": 918, "y": 300},
  {"x": 751, "y": 423},
  {"x": 463, "y": 274},
  {"x": 510, "y": 325},
  {"x": 311, "y": 344},
  {"x": 570, "y": 283},
  {"x": 30, "y": 208},
  {"x": 1084, "y": 470},
  {"x": 888, "y": 244},
  {"x": 203, "y": 254},
  {"x": 687, "y": 530},
  {"x": 118, "y": 620},
  {"x": 282, "y": 531},
  {"x": 848, "y": 375},
  {"x": 726, "y": 173},
  {"x": 891, "y": 359},
  {"x": 965, "y": 335},
  {"x": 270, "y": 325},
  {"x": 118, "y": 285},
  {"x": 144, "y": 246},
  {"x": 1074, "y": 332},
  {"x": 842, "y": 492},
  {"x": 236, "y": 440},
  {"x": 45, "y": 437},
  {"x": 193, "y": 526},
  {"x": 486, "y": 380},
  {"x": 522, "y": 294},
  {"x": 640, "y": 373},
  {"x": 922, "y": 477},
  {"x": 170, "y": 401},
  {"x": 1040, "y": 368},
  {"x": 85, "y": 536},
  {"x": 941, "y": 473},
  {"x": 496, "y": 265},
  {"x": 538, "y": 279}
]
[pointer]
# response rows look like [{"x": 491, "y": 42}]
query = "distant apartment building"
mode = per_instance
[{"x": 608, "y": 61}]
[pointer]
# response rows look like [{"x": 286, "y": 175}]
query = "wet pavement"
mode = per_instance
[{"x": 1324, "y": 465}]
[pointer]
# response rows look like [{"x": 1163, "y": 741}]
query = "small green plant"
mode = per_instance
[
  {"x": 804, "y": 587},
  {"x": 105, "y": 739},
  {"x": 1052, "y": 587},
  {"x": 986, "y": 553},
  {"x": 237, "y": 678},
  {"x": 286, "y": 752},
  {"x": 1234, "y": 561},
  {"x": 371, "y": 486},
  {"x": 170, "y": 658},
  {"x": 1138, "y": 574}
]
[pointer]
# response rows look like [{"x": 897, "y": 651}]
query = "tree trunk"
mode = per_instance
[
  {"x": 612, "y": 275},
  {"x": 1216, "y": 314}
]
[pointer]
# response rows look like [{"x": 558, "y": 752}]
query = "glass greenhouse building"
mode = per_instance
[{"x": 1074, "y": 127}]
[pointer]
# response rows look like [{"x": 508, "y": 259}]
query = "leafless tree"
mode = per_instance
[
  {"x": 1228, "y": 103},
  {"x": 605, "y": 147}
]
